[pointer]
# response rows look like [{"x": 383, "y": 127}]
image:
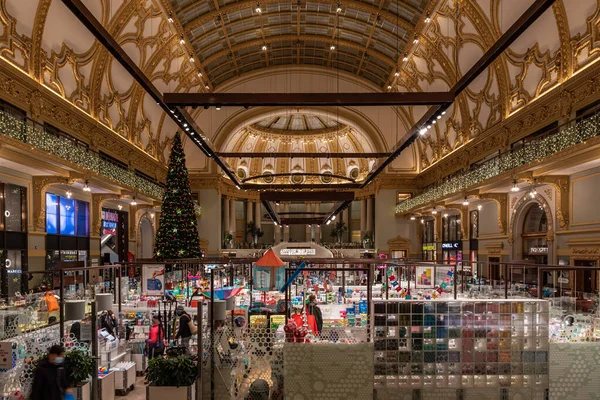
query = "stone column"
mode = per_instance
[
  {"x": 363, "y": 218},
  {"x": 226, "y": 224},
  {"x": 232, "y": 219},
  {"x": 307, "y": 230},
  {"x": 318, "y": 227},
  {"x": 370, "y": 216},
  {"x": 277, "y": 228},
  {"x": 347, "y": 235},
  {"x": 257, "y": 214},
  {"x": 286, "y": 228},
  {"x": 249, "y": 211}
]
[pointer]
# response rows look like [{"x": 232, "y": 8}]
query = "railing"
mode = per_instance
[
  {"x": 572, "y": 134},
  {"x": 72, "y": 151}
]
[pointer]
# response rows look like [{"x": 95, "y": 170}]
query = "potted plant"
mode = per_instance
[
  {"x": 171, "y": 378},
  {"x": 367, "y": 238},
  {"x": 227, "y": 240},
  {"x": 254, "y": 232},
  {"x": 338, "y": 230}
]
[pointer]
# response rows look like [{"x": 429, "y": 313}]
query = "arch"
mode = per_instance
[
  {"x": 145, "y": 238},
  {"x": 519, "y": 214}
]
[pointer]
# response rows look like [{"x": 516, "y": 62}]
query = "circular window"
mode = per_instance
[
  {"x": 296, "y": 179},
  {"x": 327, "y": 177},
  {"x": 241, "y": 173},
  {"x": 269, "y": 178},
  {"x": 354, "y": 173}
]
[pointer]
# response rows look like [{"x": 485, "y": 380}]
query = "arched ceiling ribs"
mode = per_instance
[
  {"x": 347, "y": 4},
  {"x": 320, "y": 39},
  {"x": 368, "y": 42},
  {"x": 226, "y": 36}
]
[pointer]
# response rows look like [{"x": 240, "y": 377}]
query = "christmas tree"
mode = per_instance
[{"x": 177, "y": 235}]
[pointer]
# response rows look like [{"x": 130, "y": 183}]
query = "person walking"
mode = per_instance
[
  {"x": 184, "y": 330},
  {"x": 156, "y": 345},
  {"x": 314, "y": 310},
  {"x": 50, "y": 379}
]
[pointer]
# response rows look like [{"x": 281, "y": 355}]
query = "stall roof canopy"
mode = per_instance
[{"x": 270, "y": 259}]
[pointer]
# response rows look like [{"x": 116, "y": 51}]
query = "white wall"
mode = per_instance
[{"x": 209, "y": 226}]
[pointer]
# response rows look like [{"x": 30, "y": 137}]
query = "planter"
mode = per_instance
[
  {"x": 106, "y": 386},
  {"x": 170, "y": 392},
  {"x": 82, "y": 392}
]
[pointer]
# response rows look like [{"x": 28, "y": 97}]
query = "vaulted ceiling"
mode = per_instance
[{"x": 190, "y": 46}]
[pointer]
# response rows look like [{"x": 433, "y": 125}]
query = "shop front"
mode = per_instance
[
  {"x": 429, "y": 247},
  {"x": 67, "y": 231},
  {"x": 451, "y": 239},
  {"x": 452, "y": 252},
  {"x": 13, "y": 239},
  {"x": 114, "y": 243}
]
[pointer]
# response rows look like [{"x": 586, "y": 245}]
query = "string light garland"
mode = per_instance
[
  {"x": 546, "y": 147},
  {"x": 67, "y": 150}
]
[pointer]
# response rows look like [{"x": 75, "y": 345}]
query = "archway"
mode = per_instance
[{"x": 146, "y": 239}]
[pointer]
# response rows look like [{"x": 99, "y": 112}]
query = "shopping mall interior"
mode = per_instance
[{"x": 341, "y": 199}]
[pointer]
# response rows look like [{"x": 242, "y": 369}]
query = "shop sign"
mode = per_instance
[
  {"x": 429, "y": 247},
  {"x": 110, "y": 216},
  {"x": 451, "y": 245},
  {"x": 14, "y": 271},
  {"x": 298, "y": 252},
  {"x": 541, "y": 250}
]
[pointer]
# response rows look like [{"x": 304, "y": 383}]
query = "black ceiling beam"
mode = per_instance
[
  {"x": 306, "y": 99},
  {"x": 337, "y": 210},
  {"x": 303, "y": 155},
  {"x": 301, "y": 221},
  {"x": 302, "y": 213},
  {"x": 271, "y": 212},
  {"x": 302, "y": 186},
  {"x": 508, "y": 38},
  {"x": 180, "y": 117},
  {"x": 306, "y": 196}
]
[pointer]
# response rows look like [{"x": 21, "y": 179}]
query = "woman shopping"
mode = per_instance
[{"x": 156, "y": 346}]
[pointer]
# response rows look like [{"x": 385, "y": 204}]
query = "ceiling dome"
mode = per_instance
[{"x": 298, "y": 123}]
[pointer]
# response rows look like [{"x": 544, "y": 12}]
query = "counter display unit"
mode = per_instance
[{"x": 461, "y": 344}]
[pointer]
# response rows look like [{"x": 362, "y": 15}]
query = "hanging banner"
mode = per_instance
[{"x": 153, "y": 279}]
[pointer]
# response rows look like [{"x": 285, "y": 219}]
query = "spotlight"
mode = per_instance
[
  {"x": 428, "y": 126},
  {"x": 237, "y": 186},
  {"x": 397, "y": 74},
  {"x": 120, "y": 207},
  {"x": 200, "y": 74},
  {"x": 170, "y": 19},
  {"x": 206, "y": 87},
  {"x": 328, "y": 222},
  {"x": 191, "y": 59},
  {"x": 339, "y": 8},
  {"x": 533, "y": 193},
  {"x": 264, "y": 48},
  {"x": 443, "y": 112},
  {"x": 69, "y": 194},
  {"x": 445, "y": 215},
  {"x": 423, "y": 131},
  {"x": 466, "y": 201},
  {"x": 389, "y": 86},
  {"x": 415, "y": 41},
  {"x": 218, "y": 108},
  {"x": 185, "y": 125},
  {"x": 133, "y": 202},
  {"x": 181, "y": 40},
  {"x": 433, "y": 212},
  {"x": 86, "y": 187},
  {"x": 422, "y": 220},
  {"x": 439, "y": 117},
  {"x": 514, "y": 188},
  {"x": 412, "y": 217},
  {"x": 427, "y": 18},
  {"x": 405, "y": 57},
  {"x": 434, "y": 122},
  {"x": 479, "y": 207},
  {"x": 258, "y": 9},
  {"x": 332, "y": 47}
]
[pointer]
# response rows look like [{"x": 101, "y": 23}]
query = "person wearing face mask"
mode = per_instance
[{"x": 50, "y": 379}]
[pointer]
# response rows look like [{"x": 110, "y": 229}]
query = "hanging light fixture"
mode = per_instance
[
  {"x": 264, "y": 47},
  {"x": 427, "y": 18},
  {"x": 339, "y": 8},
  {"x": 434, "y": 211},
  {"x": 133, "y": 202},
  {"x": 422, "y": 220},
  {"x": 445, "y": 215},
  {"x": 533, "y": 193},
  {"x": 412, "y": 218},
  {"x": 515, "y": 188},
  {"x": 69, "y": 194},
  {"x": 120, "y": 207},
  {"x": 479, "y": 207},
  {"x": 170, "y": 19},
  {"x": 465, "y": 201},
  {"x": 86, "y": 187},
  {"x": 181, "y": 40},
  {"x": 258, "y": 9},
  {"x": 333, "y": 218}
]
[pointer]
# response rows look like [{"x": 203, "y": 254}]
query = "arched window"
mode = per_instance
[{"x": 535, "y": 228}]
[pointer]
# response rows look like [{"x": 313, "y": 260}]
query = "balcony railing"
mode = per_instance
[
  {"x": 70, "y": 151},
  {"x": 561, "y": 140}
]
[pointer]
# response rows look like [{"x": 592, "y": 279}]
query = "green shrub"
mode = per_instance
[{"x": 172, "y": 371}]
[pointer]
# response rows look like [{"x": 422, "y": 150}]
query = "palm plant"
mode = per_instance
[{"x": 338, "y": 230}]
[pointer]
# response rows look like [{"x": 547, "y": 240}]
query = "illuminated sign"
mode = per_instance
[
  {"x": 110, "y": 216},
  {"x": 428, "y": 247},
  {"x": 298, "y": 252},
  {"x": 538, "y": 250},
  {"x": 451, "y": 245}
]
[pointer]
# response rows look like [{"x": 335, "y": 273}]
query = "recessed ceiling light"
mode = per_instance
[
  {"x": 389, "y": 86},
  {"x": 332, "y": 47},
  {"x": 264, "y": 48},
  {"x": 415, "y": 41}
]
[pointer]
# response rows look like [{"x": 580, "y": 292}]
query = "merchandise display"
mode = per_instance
[{"x": 461, "y": 344}]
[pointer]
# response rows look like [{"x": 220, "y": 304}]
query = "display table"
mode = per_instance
[
  {"x": 462, "y": 344},
  {"x": 106, "y": 386},
  {"x": 124, "y": 376}
]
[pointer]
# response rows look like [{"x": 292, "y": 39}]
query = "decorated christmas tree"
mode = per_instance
[{"x": 177, "y": 235}]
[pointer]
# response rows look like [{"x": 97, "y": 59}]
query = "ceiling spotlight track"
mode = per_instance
[{"x": 179, "y": 116}]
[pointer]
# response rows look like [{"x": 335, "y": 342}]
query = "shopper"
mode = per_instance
[
  {"x": 183, "y": 330},
  {"x": 51, "y": 306},
  {"x": 314, "y": 310},
  {"x": 109, "y": 322},
  {"x": 50, "y": 379},
  {"x": 156, "y": 345}
]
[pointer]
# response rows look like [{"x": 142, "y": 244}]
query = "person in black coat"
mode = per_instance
[
  {"x": 314, "y": 310},
  {"x": 183, "y": 332},
  {"x": 50, "y": 379}
]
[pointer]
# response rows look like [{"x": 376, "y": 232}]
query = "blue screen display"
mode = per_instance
[
  {"x": 67, "y": 216},
  {"x": 51, "y": 213},
  {"x": 82, "y": 219}
]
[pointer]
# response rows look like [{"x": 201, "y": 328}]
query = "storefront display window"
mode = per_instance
[
  {"x": 67, "y": 228},
  {"x": 428, "y": 245},
  {"x": 13, "y": 239},
  {"x": 114, "y": 243},
  {"x": 451, "y": 239}
]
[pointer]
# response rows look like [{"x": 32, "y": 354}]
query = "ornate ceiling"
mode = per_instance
[
  {"x": 42, "y": 42},
  {"x": 236, "y": 37}
]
